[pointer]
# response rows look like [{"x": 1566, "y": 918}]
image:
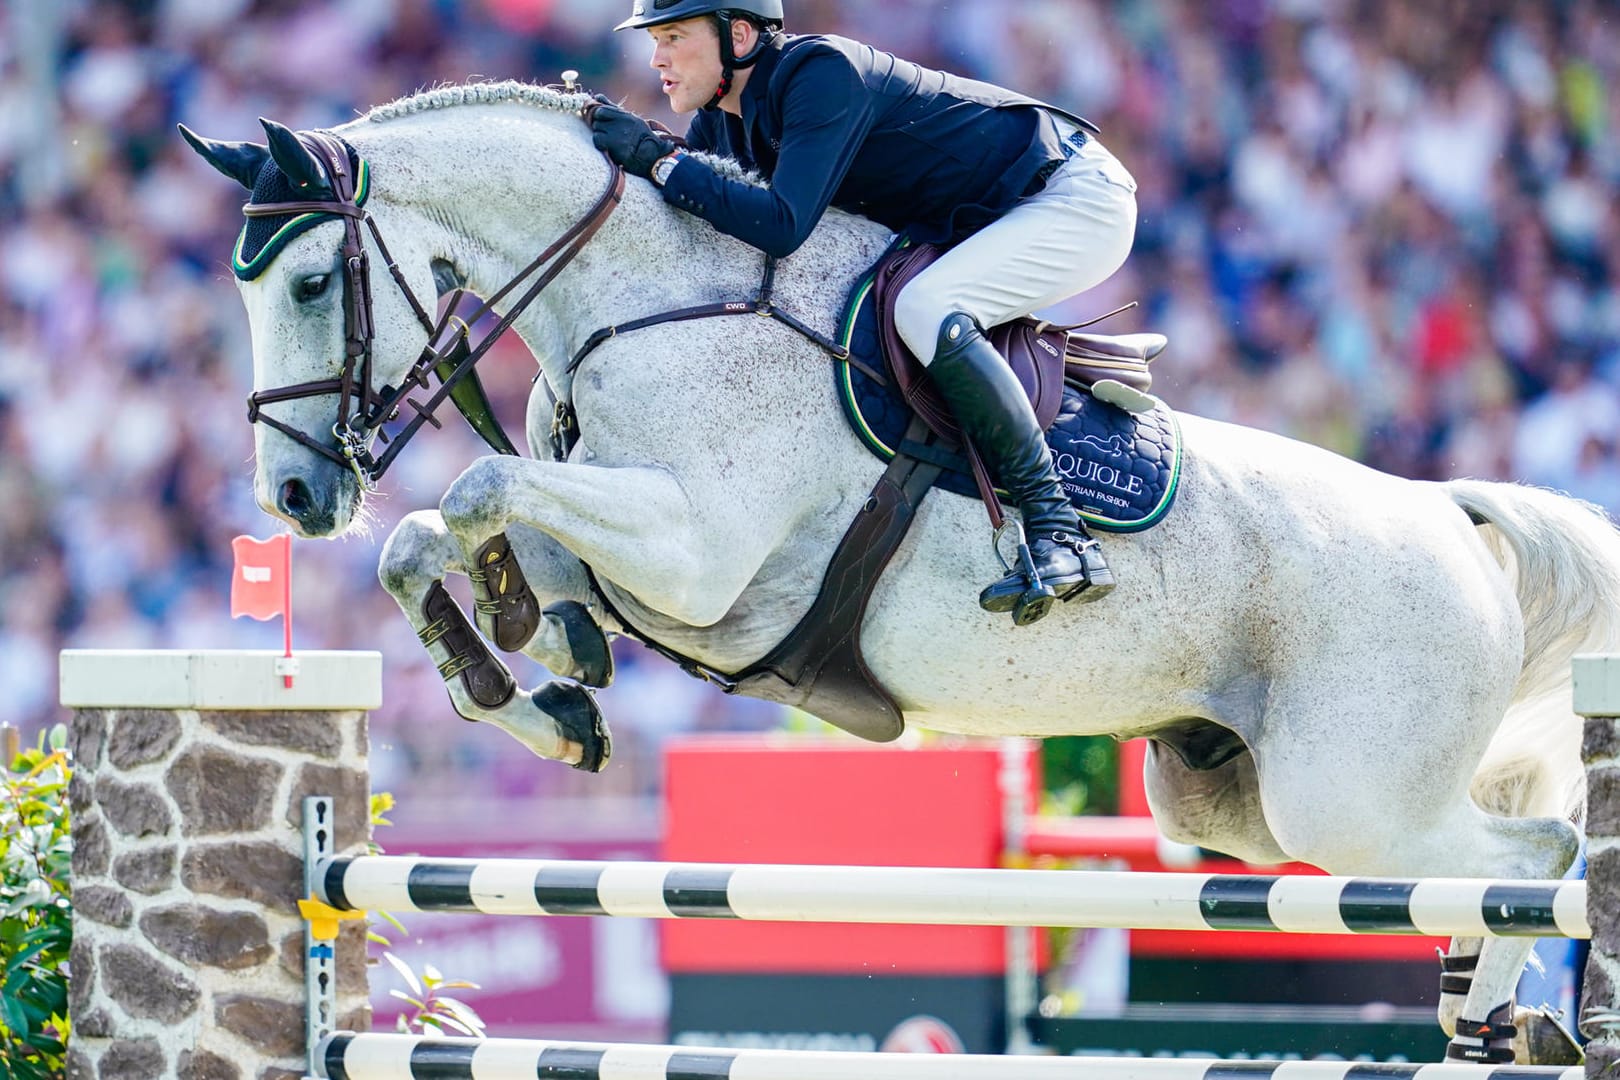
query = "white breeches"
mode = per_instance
[{"x": 1067, "y": 238}]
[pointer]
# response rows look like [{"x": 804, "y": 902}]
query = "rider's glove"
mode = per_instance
[{"x": 628, "y": 139}]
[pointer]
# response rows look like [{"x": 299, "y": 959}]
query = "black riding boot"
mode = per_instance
[{"x": 993, "y": 411}]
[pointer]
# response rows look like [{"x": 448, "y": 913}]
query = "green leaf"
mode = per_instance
[
  {"x": 464, "y": 1013},
  {"x": 407, "y": 999},
  {"x": 11, "y": 1010},
  {"x": 457, "y": 1026},
  {"x": 405, "y": 972}
]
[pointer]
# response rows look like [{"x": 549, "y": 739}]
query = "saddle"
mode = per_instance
[
  {"x": 818, "y": 667},
  {"x": 1043, "y": 356}
]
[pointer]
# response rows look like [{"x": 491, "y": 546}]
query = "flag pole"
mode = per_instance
[{"x": 286, "y": 617}]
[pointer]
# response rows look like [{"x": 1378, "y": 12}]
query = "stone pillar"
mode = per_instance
[
  {"x": 188, "y": 774},
  {"x": 1597, "y": 698}
]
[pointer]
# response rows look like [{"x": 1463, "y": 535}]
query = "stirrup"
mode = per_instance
[{"x": 1037, "y": 597}]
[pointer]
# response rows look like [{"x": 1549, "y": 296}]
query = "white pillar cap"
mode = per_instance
[
  {"x": 1596, "y": 681},
  {"x": 218, "y": 679}
]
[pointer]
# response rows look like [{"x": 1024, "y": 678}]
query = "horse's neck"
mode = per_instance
[{"x": 495, "y": 212}]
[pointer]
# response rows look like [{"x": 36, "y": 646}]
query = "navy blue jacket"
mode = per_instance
[{"x": 833, "y": 122}]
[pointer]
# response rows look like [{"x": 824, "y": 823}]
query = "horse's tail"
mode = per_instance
[{"x": 1564, "y": 558}]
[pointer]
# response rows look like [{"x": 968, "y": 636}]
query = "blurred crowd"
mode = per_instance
[{"x": 1383, "y": 226}]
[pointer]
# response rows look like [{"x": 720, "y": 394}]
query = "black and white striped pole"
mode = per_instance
[
  {"x": 1437, "y": 907},
  {"x": 407, "y": 1057}
]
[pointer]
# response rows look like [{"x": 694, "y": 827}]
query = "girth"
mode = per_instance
[{"x": 818, "y": 667}]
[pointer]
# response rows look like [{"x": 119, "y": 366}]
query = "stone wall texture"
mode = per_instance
[
  {"x": 1601, "y": 752},
  {"x": 188, "y": 947}
]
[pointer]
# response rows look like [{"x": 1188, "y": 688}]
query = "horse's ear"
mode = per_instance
[
  {"x": 296, "y": 161},
  {"x": 241, "y": 161}
]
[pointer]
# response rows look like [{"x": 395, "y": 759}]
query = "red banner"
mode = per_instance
[{"x": 260, "y": 585}]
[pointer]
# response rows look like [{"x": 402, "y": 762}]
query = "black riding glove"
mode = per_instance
[{"x": 628, "y": 139}]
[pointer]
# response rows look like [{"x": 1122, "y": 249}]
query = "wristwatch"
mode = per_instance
[{"x": 664, "y": 166}]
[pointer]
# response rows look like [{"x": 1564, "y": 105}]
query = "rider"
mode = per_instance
[{"x": 1037, "y": 210}]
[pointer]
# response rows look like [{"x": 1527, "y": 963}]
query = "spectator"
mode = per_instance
[{"x": 1382, "y": 226}]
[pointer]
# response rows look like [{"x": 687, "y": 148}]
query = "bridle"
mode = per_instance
[{"x": 449, "y": 354}]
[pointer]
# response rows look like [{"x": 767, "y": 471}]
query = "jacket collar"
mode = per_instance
[{"x": 759, "y": 81}]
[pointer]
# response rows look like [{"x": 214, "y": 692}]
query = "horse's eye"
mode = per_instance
[{"x": 313, "y": 286}]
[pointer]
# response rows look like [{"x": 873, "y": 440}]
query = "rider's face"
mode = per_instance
[{"x": 686, "y": 55}]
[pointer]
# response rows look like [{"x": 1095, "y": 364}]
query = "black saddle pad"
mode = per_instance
[{"x": 1120, "y": 471}]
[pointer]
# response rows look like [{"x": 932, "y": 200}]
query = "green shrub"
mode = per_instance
[{"x": 36, "y": 919}]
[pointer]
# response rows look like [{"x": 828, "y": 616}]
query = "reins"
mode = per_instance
[{"x": 449, "y": 353}]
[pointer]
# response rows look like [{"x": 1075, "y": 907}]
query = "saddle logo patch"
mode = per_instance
[
  {"x": 1093, "y": 483},
  {"x": 1045, "y": 346}
]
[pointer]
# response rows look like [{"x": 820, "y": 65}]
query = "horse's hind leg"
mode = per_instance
[
  {"x": 1406, "y": 812},
  {"x": 558, "y": 721}
]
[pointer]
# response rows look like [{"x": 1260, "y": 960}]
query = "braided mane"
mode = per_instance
[{"x": 522, "y": 93}]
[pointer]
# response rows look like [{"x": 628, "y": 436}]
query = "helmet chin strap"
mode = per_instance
[{"x": 730, "y": 62}]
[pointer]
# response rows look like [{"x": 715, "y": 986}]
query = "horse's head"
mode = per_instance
[{"x": 328, "y": 341}]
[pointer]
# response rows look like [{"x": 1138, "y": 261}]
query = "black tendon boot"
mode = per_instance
[{"x": 993, "y": 411}]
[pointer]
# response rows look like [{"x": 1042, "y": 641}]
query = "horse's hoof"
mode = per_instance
[
  {"x": 1544, "y": 1040},
  {"x": 586, "y": 642},
  {"x": 576, "y": 714},
  {"x": 513, "y": 611}
]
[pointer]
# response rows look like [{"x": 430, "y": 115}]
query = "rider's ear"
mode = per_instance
[
  {"x": 241, "y": 161},
  {"x": 742, "y": 36}
]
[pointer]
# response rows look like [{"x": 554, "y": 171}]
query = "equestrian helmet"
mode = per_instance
[{"x": 657, "y": 12}]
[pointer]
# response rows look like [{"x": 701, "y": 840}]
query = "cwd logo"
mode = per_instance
[{"x": 922, "y": 1035}]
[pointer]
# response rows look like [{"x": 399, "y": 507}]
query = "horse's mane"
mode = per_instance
[{"x": 512, "y": 91}]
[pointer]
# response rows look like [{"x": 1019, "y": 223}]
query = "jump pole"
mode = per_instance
[
  {"x": 407, "y": 1057},
  {"x": 1439, "y": 907}
]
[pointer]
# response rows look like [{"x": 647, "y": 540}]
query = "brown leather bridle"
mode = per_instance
[{"x": 363, "y": 409}]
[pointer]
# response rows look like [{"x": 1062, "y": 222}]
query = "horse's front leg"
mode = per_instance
[
  {"x": 559, "y": 720},
  {"x": 531, "y": 595},
  {"x": 636, "y": 526}
]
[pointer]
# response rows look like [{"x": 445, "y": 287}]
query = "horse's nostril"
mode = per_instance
[{"x": 295, "y": 500}]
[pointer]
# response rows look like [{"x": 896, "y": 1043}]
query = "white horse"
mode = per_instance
[{"x": 1333, "y": 665}]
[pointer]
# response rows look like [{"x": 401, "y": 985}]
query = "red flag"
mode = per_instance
[{"x": 261, "y": 585}]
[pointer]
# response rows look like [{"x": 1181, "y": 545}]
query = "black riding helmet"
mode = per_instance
[{"x": 765, "y": 14}]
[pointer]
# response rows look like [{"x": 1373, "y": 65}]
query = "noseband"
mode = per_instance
[{"x": 449, "y": 354}]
